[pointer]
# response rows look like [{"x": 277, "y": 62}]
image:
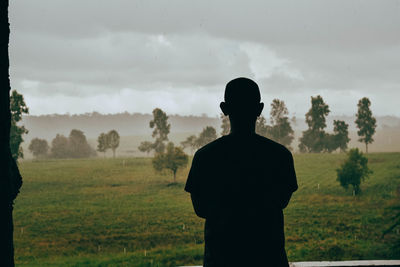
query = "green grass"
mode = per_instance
[{"x": 103, "y": 212}]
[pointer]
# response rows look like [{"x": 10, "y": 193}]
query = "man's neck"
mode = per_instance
[{"x": 242, "y": 132}]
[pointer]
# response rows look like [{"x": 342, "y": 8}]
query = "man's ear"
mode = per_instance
[
  {"x": 260, "y": 109},
  {"x": 224, "y": 108}
]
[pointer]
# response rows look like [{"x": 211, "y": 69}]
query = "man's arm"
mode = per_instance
[
  {"x": 285, "y": 199},
  {"x": 198, "y": 205},
  {"x": 290, "y": 180}
]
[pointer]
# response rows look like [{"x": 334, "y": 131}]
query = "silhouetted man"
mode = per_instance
[{"x": 240, "y": 183}]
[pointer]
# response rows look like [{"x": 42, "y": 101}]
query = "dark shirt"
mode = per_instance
[{"x": 240, "y": 185}]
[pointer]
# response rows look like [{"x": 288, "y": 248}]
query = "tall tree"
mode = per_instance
[
  {"x": 38, "y": 147},
  {"x": 281, "y": 131},
  {"x": 172, "y": 159},
  {"x": 226, "y": 125},
  {"x": 190, "y": 142},
  {"x": 313, "y": 138},
  {"x": 161, "y": 129},
  {"x": 78, "y": 146},
  {"x": 59, "y": 147},
  {"x": 17, "y": 108},
  {"x": 365, "y": 122},
  {"x": 113, "y": 140},
  {"x": 341, "y": 134},
  {"x": 208, "y": 135},
  {"x": 102, "y": 143}
]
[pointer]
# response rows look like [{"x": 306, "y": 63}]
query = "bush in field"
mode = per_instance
[
  {"x": 172, "y": 159},
  {"x": 353, "y": 170},
  {"x": 38, "y": 147}
]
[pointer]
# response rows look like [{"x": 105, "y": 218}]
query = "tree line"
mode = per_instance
[
  {"x": 315, "y": 139},
  {"x": 73, "y": 146}
]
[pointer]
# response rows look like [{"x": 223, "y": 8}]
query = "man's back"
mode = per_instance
[{"x": 241, "y": 184}]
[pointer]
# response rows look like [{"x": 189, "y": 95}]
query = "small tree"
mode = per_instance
[
  {"x": 208, "y": 135},
  {"x": 102, "y": 143},
  {"x": 366, "y": 123},
  {"x": 38, "y": 147},
  {"x": 353, "y": 170},
  {"x": 173, "y": 159},
  {"x": 113, "y": 140},
  {"x": 146, "y": 146},
  {"x": 190, "y": 142},
  {"x": 17, "y": 108},
  {"x": 226, "y": 124},
  {"x": 59, "y": 147}
]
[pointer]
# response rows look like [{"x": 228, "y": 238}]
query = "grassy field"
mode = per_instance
[{"x": 119, "y": 212}]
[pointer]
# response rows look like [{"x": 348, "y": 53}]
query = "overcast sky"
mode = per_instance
[{"x": 115, "y": 56}]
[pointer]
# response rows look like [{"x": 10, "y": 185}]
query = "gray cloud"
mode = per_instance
[{"x": 81, "y": 48}]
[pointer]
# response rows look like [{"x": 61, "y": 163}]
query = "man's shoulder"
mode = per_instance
[
  {"x": 272, "y": 146},
  {"x": 212, "y": 147}
]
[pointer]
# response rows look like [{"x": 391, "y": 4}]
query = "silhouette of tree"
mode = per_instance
[
  {"x": 341, "y": 133},
  {"x": 353, "y": 170},
  {"x": 17, "y": 108},
  {"x": 173, "y": 159},
  {"x": 226, "y": 125},
  {"x": 190, "y": 142},
  {"x": 113, "y": 140},
  {"x": 161, "y": 129},
  {"x": 366, "y": 123},
  {"x": 59, "y": 147},
  {"x": 313, "y": 138},
  {"x": 38, "y": 147},
  {"x": 102, "y": 143},
  {"x": 280, "y": 131},
  {"x": 261, "y": 126},
  {"x": 208, "y": 135},
  {"x": 146, "y": 146},
  {"x": 78, "y": 146}
]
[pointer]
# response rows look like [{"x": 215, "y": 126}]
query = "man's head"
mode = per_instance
[{"x": 242, "y": 100}]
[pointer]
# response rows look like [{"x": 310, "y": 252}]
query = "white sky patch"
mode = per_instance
[
  {"x": 264, "y": 62},
  {"x": 183, "y": 102}
]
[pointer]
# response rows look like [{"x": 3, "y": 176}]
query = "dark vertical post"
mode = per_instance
[{"x": 10, "y": 179}]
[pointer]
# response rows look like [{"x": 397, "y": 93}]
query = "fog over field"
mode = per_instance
[{"x": 134, "y": 128}]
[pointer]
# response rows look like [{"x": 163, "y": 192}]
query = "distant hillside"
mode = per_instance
[{"x": 134, "y": 128}]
